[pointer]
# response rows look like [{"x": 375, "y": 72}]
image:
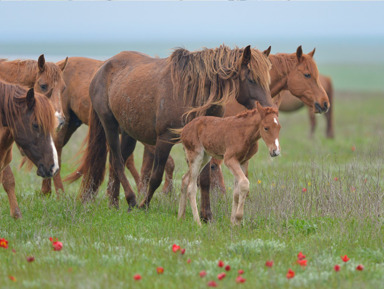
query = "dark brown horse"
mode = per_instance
[
  {"x": 145, "y": 97},
  {"x": 27, "y": 119}
]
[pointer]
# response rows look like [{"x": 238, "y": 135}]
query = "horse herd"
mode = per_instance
[{"x": 158, "y": 101}]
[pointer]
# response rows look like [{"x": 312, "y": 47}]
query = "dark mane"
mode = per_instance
[{"x": 209, "y": 77}]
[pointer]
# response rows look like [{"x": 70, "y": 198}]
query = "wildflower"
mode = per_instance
[
  {"x": 203, "y": 274},
  {"x": 137, "y": 277},
  {"x": 12, "y": 278},
  {"x": 212, "y": 284},
  {"x": 336, "y": 179},
  {"x": 57, "y": 246},
  {"x": 175, "y": 248},
  {"x": 220, "y": 264},
  {"x": 189, "y": 261},
  {"x": 160, "y": 270},
  {"x": 3, "y": 243},
  {"x": 309, "y": 184},
  {"x": 302, "y": 263},
  {"x": 182, "y": 251},
  {"x": 345, "y": 258},
  {"x": 337, "y": 268},
  {"x": 227, "y": 268},
  {"x": 30, "y": 259},
  {"x": 13, "y": 251},
  {"x": 221, "y": 276},
  {"x": 353, "y": 148},
  {"x": 240, "y": 279},
  {"x": 304, "y": 190},
  {"x": 300, "y": 256},
  {"x": 290, "y": 274},
  {"x": 240, "y": 272},
  {"x": 259, "y": 182},
  {"x": 269, "y": 264},
  {"x": 360, "y": 267}
]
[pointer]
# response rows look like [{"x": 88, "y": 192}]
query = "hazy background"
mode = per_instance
[{"x": 348, "y": 36}]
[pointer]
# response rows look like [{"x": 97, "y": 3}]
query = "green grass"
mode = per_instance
[{"x": 104, "y": 248}]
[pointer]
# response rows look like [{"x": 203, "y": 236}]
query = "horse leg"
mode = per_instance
[
  {"x": 241, "y": 190},
  {"x": 163, "y": 148},
  {"x": 217, "y": 179},
  {"x": 183, "y": 195},
  {"x": 146, "y": 168},
  {"x": 8, "y": 181},
  {"x": 205, "y": 209},
  {"x": 127, "y": 146},
  {"x": 169, "y": 168},
  {"x": 312, "y": 121},
  {"x": 130, "y": 164},
  {"x": 329, "y": 117}
]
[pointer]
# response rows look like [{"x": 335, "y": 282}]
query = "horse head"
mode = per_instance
[{"x": 270, "y": 128}]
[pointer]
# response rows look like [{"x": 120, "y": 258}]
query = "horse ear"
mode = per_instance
[
  {"x": 246, "y": 55},
  {"x": 41, "y": 63},
  {"x": 312, "y": 52},
  {"x": 63, "y": 65},
  {"x": 260, "y": 109},
  {"x": 267, "y": 51},
  {"x": 277, "y": 100},
  {"x": 299, "y": 53},
  {"x": 30, "y": 99}
]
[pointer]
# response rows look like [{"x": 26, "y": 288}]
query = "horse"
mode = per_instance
[
  {"x": 45, "y": 77},
  {"x": 145, "y": 97},
  {"x": 290, "y": 103},
  {"x": 233, "y": 139},
  {"x": 296, "y": 72},
  {"x": 28, "y": 119}
]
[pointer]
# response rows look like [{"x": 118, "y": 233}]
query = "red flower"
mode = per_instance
[
  {"x": 160, "y": 270},
  {"x": 290, "y": 274},
  {"x": 353, "y": 148},
  {"x": 336, "y": 178},
  {"x": 12, "y": 278},
  {"x": 189, "y": 261},
  {"x": 269, "y": 264},
  {"x": 3, "y": 243},
  {"x": 337, "y": 268},
  {"x": 220, "y": 264},
  {"x": 30, "y": 259},
  {"x": 240, "y": 279},
  {"x": 13, "y": 251},
  {"x": 240, "y": 272},
  {"x": 302, "y": 263},
  {"x": 57, "y": 246},
  {"x": 137, "y": 277},
  {"x": 221, "y": 276},
  {"x": 212, "y": 284},
  {"x": 345, "y": 258},
  {"x": 203, "y": 274},
  {"x": 360, "y": 267},
  {"x": 304, "y": 190},
  {"x": 175, "y": 248},
  {"x": 182, "y": 252},
  {"x": 227, "y": 268},
  {"x": 300, "y": 256}
]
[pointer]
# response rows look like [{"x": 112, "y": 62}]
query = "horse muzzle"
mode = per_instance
[
  {"x": 45, "y": 173},
  {"x": 319, "y": 109}
]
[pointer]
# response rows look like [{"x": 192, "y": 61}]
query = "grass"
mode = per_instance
[{"x": 104, "y": 248}]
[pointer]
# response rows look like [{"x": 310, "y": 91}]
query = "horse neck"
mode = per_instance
[
  {"x": 282, "y": 65},
  {"x": 22, "y": 72}
]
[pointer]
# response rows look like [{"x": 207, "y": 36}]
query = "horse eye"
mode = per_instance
[
  {"x": 307, "y": 75},
  {"x": 35, "y": 126},
  {"x": 43, "y": 86},
  {"x": 252, "y": 81},
  {"x": 266, "y": 128}
]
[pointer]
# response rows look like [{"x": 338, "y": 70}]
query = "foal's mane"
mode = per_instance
[
  {"x": 13, "y": 103},
  {"x": 246, "y": 113},
  {"x": 209, "y": 77}
]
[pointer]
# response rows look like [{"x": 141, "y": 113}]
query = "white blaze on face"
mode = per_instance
[
  {"x": 277, "y": 147},
  {"x": 55, "y": 157},
  {"x": 275, "y": 120}
]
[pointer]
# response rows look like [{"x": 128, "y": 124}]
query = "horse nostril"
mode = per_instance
[
  {"x": 318, "y": 107},
  {"x": 325, "y": 105}
]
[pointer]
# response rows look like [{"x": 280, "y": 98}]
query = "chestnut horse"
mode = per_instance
[
  {"x": 290, "y": 103},
  {"x": 146, "y": 97},
  {"x": 27, "y": 119},
  {"x": 233, "y": 139}
]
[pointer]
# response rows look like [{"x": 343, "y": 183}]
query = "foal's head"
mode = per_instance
[
  {"x": 50, "y": 82},
  {"x": 270, "y": 128}
]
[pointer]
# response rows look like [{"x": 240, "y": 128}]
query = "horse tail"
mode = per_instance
[
  {"x": 177, "y": 132},
  {"x": 93, "y": 162}
]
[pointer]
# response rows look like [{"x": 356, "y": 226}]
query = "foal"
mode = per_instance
[{"x": 233, "y": 139}]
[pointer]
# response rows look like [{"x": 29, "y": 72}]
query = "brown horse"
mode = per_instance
[
  {"x": 27, "y": 119},
  {"x": 233, "y": 139},
  {"x": 145, "y": 97},
  {"x": 45, "y": 77},
  {"x": 290, "y": 103}
]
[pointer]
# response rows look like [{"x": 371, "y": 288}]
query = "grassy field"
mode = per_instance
[{"x": 340, "y": 213}]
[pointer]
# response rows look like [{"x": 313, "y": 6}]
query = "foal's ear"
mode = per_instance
[
  {"x": 299, "y": 53},
  {"x": 267, "y": 51},
  {"x": 312, "y": 52},
  {"x": 41, "y": 63},
  {"x": 246, "y": 55},
  {"x": 260, "y": 109},
  {"x": 277, "y": 100},
  {"x": 30, "y": 99},
  {"x": 62, "y": 64}
]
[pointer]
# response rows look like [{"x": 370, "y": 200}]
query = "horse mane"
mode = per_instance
[
  {"x": 251, "y": 112},
  {"x": 209, "y": 77},
  {"x": 14, "y": 99}
]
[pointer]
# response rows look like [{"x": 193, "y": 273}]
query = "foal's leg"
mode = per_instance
[
  {"x": 169, "y": 168},
  {"x": 205, "y": 182},
  {"x": 8, "y": 181},
  {"x": 163, "y": 148},
  {"x": 183, "y": 194},
  {"x": 217, "y": 179},
  {"x": 130, "y": 164}
]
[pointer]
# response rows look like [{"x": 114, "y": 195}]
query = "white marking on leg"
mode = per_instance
[{"x": 55, "y": 157}]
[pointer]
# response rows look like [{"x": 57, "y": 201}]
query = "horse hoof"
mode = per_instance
[
  {"x": 206, "y": 216},
  {"x": 17, "y": 214}
]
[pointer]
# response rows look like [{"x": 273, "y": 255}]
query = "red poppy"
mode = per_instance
[
  {"x": 160, "y": 270},
  {"x": 240, "y": 279},
  {"x": 203, "y": 274},
  {"x": 336, "y": 178},
  {"x": 337, "y": 268},
  {"x": 137, "y": 277},
  {"x": 304, "y": 190},
  {"x": 290, "y": 274},
  {"x": 212, "y": 284},
  {"x": 353, "y": 148},
  {"x": 240, "y": 272},
  {"x": 269, "y": 264},
  {"x": 30, "y": 259},
  {"x": 3, "y": 243},
  {"x": 175, "y": 248},
  {"x": 300, "y": 256},
  {"x": 189, "y": 261},
  {"x": 13, "y": 251},
  {"x": 227, "y": 268},
  {"x": 360, "y": 267},
  {"x": 220, "y": 264},
  {"x": 345, "y": 258},
  {"x": 12, "y": 278},
  {"x": 221, "y": 276},
  {"x": 57, "y": 246},
  {"x": 302, "y": 263},
  {"x": 182, "y": 252}
]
